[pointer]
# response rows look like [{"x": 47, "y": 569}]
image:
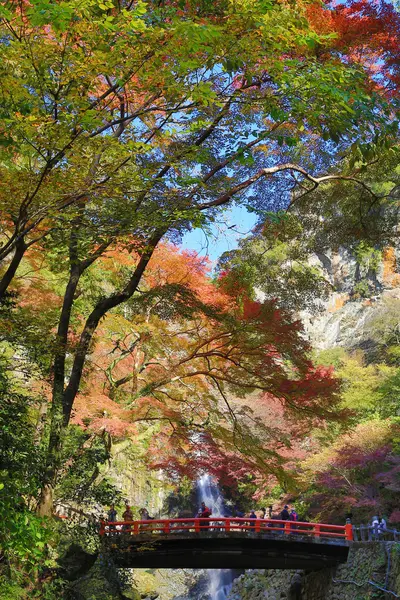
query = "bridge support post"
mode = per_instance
[
  {"x": 227, "y": 525},
  {"x": 317, "y": 531},
  {"x": 287, "y": 527},
  {"x": 197, "y": 525},
  {"x": 349, "y": 531}
]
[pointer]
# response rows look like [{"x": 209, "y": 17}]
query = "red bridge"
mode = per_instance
[{"x": 223, "y": 542}]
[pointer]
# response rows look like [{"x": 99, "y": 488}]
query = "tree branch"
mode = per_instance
[{"x": 268, "y": 171}]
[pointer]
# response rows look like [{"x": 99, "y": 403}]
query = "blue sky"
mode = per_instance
[{"x": 235, "y": 223}]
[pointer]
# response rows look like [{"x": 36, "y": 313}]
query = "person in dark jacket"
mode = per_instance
[
  {"x": 285, "y": 513},
  {"x": 112, "y": 514},
  {"x": 252, "y": 516},
  {"x": 284, "y": 516},
  {"x": 112, "y": 517}
]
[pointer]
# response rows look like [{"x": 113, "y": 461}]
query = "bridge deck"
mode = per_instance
[{"x": 225, "y": 543}]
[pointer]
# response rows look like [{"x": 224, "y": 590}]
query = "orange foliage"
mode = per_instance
[
  {"x": 339, "y": 301},
  {"x": 368, "y": 33},
  {"x": 390, "y": 275}
]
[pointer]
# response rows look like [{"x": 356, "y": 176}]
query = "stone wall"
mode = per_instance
[{"x": 376, "y": 562}]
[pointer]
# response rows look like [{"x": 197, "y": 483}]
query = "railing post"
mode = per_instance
[
  {"x": 348, "y": 528},
  {"x": 135, "y": 528},
  {"x": 227, "y": 525},
  {"x": 370, "y": 534},
  {"x": 197, "y": 525},
  {"x": 102, "y": 527},
  {"x": 287, "y": 527},
  {"x": 362, "y": 532},
  {"x": 258, "y": 526},
  {"x": 317, "y": 530},
  {"x": 167, "y": 527}
]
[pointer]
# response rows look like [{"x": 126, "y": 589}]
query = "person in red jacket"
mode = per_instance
[{"x": 204, "y": 513}]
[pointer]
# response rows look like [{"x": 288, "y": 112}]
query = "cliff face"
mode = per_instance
[
  {"x": 139, "y": 486},
  {"x": 361, "y": 287}
]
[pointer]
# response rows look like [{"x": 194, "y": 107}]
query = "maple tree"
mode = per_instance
[
  {"x": 116, "y": 132},
  {"x": 178, "y": 357},
  {"x": 358, "y": 471}
]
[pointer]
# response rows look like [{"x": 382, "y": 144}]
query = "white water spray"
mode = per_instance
[{"x": 220, "y": 580}]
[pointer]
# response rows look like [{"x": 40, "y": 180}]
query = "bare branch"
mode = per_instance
[{"x": 268, "y": 171}]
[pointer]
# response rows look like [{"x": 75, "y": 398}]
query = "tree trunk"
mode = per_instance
[
  {"x": 8, "y": 276},
  {"x": 56, "y": 412},
  {"x": 45, "y": 506},
  {"x": 63, "y": 399}
]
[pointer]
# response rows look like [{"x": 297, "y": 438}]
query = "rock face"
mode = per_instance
[
  {"x": 360, "y": 287},
  {"x": 139, "y": 486},
  {"x": 101, "y": 582},
  {"x": 369, "y": 567},
  {"x": 104, "y": 582},
  {"x": 76, "y": 562}
]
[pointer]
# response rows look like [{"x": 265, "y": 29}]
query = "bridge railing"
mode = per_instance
[
  {"x": 368, "y": 533},
  {"x": 227, "y": 524}
]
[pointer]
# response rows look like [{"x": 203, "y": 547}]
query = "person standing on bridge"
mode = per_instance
[
  {"x": 127, "y": 516},
  {"x": 204, "y": 513},
  {"x": 293, "y": 517},
  {"x": 382, "y": 525},
  {"x": 285, "y": 513},
  {"x": 252, "y": 516},
  {"x": 144, "y": 514},
  {"x": 112, "y": 517},
  {"x": 284, "y": 516}
]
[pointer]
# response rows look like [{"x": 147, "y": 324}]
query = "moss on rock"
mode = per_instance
[{"x": 350, "y": 581}]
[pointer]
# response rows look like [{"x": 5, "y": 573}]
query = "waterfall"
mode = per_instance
[{"x": 220, "y": 580}]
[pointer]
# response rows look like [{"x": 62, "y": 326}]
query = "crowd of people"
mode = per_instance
[
  {"x": 205, "y": 512},
  {"x": 378, "y": 523},
  {"x": 286, "y": 514},
  {"x": 127, "y": 515}
]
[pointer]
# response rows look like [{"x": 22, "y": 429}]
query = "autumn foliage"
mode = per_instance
[
  {"x": 367, "y": 33},
  {"x": 127, "y": 125},
  {"x": 184, "y": 364}
]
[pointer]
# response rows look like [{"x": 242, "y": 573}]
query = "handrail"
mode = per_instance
[
  {"x": 199, "y": 524},
  {"x": 372, "y": 533}
]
